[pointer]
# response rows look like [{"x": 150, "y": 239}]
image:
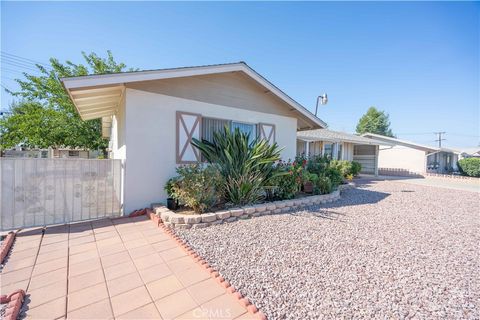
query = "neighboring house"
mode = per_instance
[
  {"x": 405, "y": 157},
  {"x": 470, "y": 153},
  {"x": 152, "y": 116},
  {"x": 341, "y": 146}
]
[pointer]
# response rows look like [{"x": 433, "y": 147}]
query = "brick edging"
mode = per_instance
[
  {"x": 6, "y": 245},
  {"x": 14, "y": 304},
  {"x": 251, "y": 308}
]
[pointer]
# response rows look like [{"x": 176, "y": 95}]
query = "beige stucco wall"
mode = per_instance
[
  {"x": 150, "y": 130},
  {"x": 401, "y": 157}
]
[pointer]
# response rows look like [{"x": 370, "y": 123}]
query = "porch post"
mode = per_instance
[
  {"x": 376, "y": 160},
  {"x": 307, "y": 148}
]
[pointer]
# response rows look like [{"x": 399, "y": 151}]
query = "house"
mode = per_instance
[
  {"x": 400, "y": 157},
  {"x": 473, "y": 152},
  {"x": 341, "y": 146},
  {"x": 152, "y": 116}
]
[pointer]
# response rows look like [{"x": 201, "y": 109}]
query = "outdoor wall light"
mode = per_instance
[{"x": 323, "y": 99}]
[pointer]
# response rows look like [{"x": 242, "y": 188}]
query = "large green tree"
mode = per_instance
[
  {"x": 375, "y": 121},
  {"x": 45, "y": 116}
]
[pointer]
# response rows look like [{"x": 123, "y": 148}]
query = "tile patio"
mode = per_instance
[{"x": 112, "y": 269}]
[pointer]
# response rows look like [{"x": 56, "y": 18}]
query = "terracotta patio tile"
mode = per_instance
[
  {"x": 148, "y": 261},
  {"x": 180, "y": 264},
  {"x": 124, "y": 283},
  {"x": 130, "y": 300},
  {"x": 49, "y": 266},
  {"x": 15, "y": 264},
  {"x": 20, "y": 246},
  {"x": 82, "y": 248},
  {"x": 84, "y": 267},
  {"x": 85, "y": 280},
  {"x": 84, "y": 256},
  {"x": 160, "y": 236},
  {"x": 135, "y": 243},
  {"x": 45, "y": 279},
  {"x": 164, "y": 245},
  {"x": 106, "y": 235},
  {"x": 51, "y": 310},
  {"x": 194, "y": 314},
  {"x": 119, "y": 270},
  {"x": 111, "y": 249},
  {"x": 53, "y": 247},
  {"x": 164, "y": 287},
  {"x": 155, "y": 273},
  {"x": 142, "y": 251},
  {"x": 114, "y": 259},
  {"x": 247, "y": 316},
  {"x": 58, "y": 229},
  {"x": 9, "y": 288},
  {"x": 52, "y": 255},
  {"x": 87, "y": 296},
  {"x": 97, "y": 310},
  {"x": 54, "y": 238},
  {"x": 173, "y": 253},
  {"x": 81, "y": 240},
  {"x": 205, "y": 290},
  {"x": 15, "y": 276},
  {"x": 32, "y": 252},
  {"x": 132, "y": 236},
  {"x": 80, "y": 226},
  {"x": 223, "y": 307},
  {"x": 192, "y": 275},
  {"x": 146, "y": 312},
  {"x": 175, "y": 304},
  {"x": 47, "y": 293},
  {"x": 114, "y": 239}
]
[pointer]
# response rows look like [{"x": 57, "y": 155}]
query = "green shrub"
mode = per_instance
[
  {"x": 356, "y": 168},
  {"x": 169, "y": 187},
  {"x": 470, "y": 166},
  {"x": 317, "y": 164},
  {"x": 287, "y": 180},
  {"x": 245, "y": 166},
  {"x": 344, "y": 166},
  {"x": 335, "y": 177},
  {"x": 324, "y": 185},
  {"x": 198, "y": 186}
]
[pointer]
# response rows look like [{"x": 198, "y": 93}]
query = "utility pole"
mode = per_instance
[{"x": 439, "y": 140}]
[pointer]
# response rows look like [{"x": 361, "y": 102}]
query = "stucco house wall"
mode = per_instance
[
  {"x": 402, "y": 157},
  {"x": 150, "y": 136}
]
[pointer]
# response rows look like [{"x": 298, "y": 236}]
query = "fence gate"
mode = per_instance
[{"x": 39, "y": 192}]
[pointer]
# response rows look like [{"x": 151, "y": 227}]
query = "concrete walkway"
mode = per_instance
[{"x": 112, "y": 269}]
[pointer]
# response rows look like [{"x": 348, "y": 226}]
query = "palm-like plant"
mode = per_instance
[{"x": 245, "y": 165}]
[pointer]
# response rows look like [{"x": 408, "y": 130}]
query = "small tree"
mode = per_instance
[
  {"x": 45, "y": 115},
  {"x": 375, "y": 121}
]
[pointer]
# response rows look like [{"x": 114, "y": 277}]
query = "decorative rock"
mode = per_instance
[
  {"x": 280, "y": 204},
  {"x": 244, "y": 217},
  {"x": 271, "y": 207},
  {"x": 194, "y": 218},
  {"x": 209, "y": 217},
  {"x": 236, "y": 212},
  {"x": 200, "y": 225},
  {"x": 222, "y": 215},
  {"x": 277, "y": 211},
  {"x": 183, "y": 225},
  {"x": 165, "y": 216},
  {"x": 231, "y": 219},
  {"x": 216, "y": 222}
]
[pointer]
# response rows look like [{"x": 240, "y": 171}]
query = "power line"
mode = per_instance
[
  {"x": 439, "y": 140},
  {"x": 14, "y": 56}
]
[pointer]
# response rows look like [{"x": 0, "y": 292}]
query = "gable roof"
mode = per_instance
[
  {"x": 96, "y": 96},
  {"x": 395, "y": 141},
  {"x": 334, "y": 136}
]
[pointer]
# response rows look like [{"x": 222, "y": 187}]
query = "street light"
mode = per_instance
[{"x": 323, "y": 99}]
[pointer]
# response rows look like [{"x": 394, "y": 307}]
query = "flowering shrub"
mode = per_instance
[{"x": 287, "y": 180}]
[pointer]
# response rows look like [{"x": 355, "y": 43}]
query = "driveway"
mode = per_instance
[
  {"x": 439, "y": 182},
  {"x": 388, "y": 249}
]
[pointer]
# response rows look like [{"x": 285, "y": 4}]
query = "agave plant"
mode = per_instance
[{"x": 245, "y": 165}]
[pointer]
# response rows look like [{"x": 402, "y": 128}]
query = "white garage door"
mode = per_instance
[{"x": 365, "y": 155}]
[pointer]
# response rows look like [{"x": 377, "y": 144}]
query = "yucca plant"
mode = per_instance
[{"x": 245, "y": 165}]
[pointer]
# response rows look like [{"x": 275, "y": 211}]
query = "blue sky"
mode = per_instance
[{"x": 417, "y": 61}]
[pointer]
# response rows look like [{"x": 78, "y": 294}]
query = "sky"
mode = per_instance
[{"x": 417, "y": 61}]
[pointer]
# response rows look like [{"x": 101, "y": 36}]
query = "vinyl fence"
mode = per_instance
[{"x": 39, "y": 192}]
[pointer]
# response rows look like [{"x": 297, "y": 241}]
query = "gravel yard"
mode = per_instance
[{"x": 386, "y": 250}]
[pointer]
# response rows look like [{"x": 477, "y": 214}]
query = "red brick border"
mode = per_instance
[
  {"x": 252, "y": 309},
  {"x": 14, "y": 305},
  {"x": 6, "y": 245}
]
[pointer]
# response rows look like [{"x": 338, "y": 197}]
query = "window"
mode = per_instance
[
  {"x": 247, "y": 128},
  {"x": 73, "y": 153},
  {"x": 210, "y": 125},
  {"x": 328, "y": 149},
  {"x": 339, "y": 151}
]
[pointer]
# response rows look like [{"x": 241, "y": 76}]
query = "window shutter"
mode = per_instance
[
  {"x": 267, "y": 132},
  {"x": 188, "y": 127}
]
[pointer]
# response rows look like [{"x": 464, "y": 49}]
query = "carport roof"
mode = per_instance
[
  {"x": 394, "y": 141},
  {"x": 334, "y": 136}
]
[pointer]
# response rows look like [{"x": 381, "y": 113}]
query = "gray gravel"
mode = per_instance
[{"x": 386, "y": 250}]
